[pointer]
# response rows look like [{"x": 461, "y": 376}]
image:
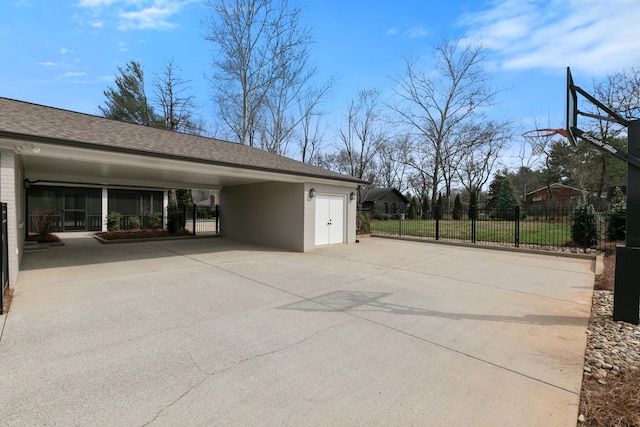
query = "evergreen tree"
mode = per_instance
[
  {"x": 457, "y": 208},
  {"x": 425, "y": 207},
  {"x": 183, "y": 197},
  {"x": 473, "y": 205},
  {"x": 439, "y": 207},
  {"x": 507, "y": 201},
  {"x": 128, "y": 101},
  {"x": 413, "y": 208},
  {"x": 585, "y": 231},
  {"x": 617, "y": 216},
  {"x": 494, "y": 191}
]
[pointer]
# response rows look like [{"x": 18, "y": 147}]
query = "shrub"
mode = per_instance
[
  {"x": 134, "y": 223},
  {"x": 363, "y": 222},
  {"x": 617, "y": 216},
  {"x": 156, "y": 221},
  {"x": 43, "y": 222},
  {"x": 457, "y": 208},
  {"x": 113, "y": 221},
  {"x": 174, "y": 222},
  {"x": 585, "y": 230}
]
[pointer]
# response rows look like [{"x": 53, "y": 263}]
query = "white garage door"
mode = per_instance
[{"x": 329, "y": 219}]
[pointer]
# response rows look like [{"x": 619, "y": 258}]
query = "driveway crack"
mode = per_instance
[{"x": 209, "y": 375}]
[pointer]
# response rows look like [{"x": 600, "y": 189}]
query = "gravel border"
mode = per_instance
[{"x": 612, "y": 347}]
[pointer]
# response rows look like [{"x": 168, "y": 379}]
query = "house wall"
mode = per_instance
[
  {"x": 12, "y": 193},
  {"x": 268, "y": 213}
]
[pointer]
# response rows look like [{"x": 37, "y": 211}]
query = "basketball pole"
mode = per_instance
[{"x": 626, "y": 292}]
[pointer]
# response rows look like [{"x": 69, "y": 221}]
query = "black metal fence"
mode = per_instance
[
  {"x": 4, "y": 255},
  {"x": 537, "y": 225},
  {"x": 198, "y": 220}
]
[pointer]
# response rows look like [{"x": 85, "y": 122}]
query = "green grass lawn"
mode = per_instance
[{"x": 531, "y": 232}]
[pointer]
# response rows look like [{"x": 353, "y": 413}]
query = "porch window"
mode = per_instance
[{"x": 130, "y": 203}]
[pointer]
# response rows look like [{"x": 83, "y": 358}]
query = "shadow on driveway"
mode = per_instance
[{"x": 362, "y": 302}]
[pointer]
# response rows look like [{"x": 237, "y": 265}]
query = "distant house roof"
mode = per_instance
[
  {"x": 376, "y": 194},
  {"x": 555, "y": 186},
  {"x": 37, "y": 123}
]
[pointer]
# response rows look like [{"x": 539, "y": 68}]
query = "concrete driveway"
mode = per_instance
[{"x": 213, "y": 332}]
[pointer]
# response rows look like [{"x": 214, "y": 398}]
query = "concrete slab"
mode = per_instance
[{"x": 214, "y": 332}]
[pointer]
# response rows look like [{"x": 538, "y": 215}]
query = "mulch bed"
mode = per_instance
[{"x": 140, "y": 234}]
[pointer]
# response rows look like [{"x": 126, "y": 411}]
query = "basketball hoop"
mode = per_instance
[{"x": 538, "y": 138}]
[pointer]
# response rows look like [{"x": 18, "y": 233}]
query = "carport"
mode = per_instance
[{"x": 265, "y": 199}]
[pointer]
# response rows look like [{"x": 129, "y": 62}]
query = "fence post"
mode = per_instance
[
  {"x": 516, "y": 212},
  {"x": 436, "y": 211},
  {"x": 217, "y": 220},
  {"x": 474, "y": 215},
  {"x": 194, "y": 217},
  {"x": 585, "y": 229}
]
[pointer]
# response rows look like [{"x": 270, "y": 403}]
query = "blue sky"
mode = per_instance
[{"x": 65, "y": 53}]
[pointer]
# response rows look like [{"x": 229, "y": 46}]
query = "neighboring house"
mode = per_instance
[
  {"x": 385, "y": 200},
  {"x": 82, "y": 167},
  {"x": 555, "y": 192}
]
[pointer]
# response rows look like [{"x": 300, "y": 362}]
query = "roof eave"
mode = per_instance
[{"x": 98, "y": 147}]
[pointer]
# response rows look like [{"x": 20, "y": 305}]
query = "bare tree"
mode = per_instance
[
  {"x": 176, "y": 104},
  {"x": 619, "y": 91},
  {"x": 481, "y": 146},
  {"x": 435, "y": 104},
  {"x": 261, "y": 68},
  {"x": 392, "y": 163},
  {"x": 362, "y": 133}
]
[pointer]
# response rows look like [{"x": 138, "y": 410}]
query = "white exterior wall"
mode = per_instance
[
  {"x": 268, "y": 213},
  {"x": 310, "y": 212},
  {"x": 280, "y": 214},
  {"x": 12, "y": 193},
  {"x": 105, "y": 207}
]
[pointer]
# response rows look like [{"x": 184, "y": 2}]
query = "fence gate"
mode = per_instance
[
  {"x": 199, "y": 220},
  {"x": 4, "y": 254}
]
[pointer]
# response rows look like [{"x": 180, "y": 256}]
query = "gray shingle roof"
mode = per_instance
[
  {"x": 375, "y": 194},
  {"x": 47, "y": 124}
]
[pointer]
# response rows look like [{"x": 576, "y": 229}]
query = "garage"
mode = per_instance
[{"x": 265, "y": 199}]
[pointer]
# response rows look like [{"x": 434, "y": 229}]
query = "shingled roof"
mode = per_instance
[{"x": 38, "y": 123}]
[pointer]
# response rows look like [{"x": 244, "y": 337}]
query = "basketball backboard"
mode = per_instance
[{"x": 572, "y": 109}]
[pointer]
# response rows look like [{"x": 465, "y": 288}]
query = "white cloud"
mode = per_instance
[
  {"x": 48, "y": 64},
  {"x": 73, "y": 74},
  {"x": 154, "y": 18},
  {"x": 96, "y": 3},
  {"x": 392, "y": 32},
  {"x": 594, "y": 36},
  {"x": 416, "y": 32},
  {"x": 134, "y": 14}
]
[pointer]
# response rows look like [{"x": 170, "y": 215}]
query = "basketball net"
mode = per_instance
[{"x": 539, "y": 138}]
